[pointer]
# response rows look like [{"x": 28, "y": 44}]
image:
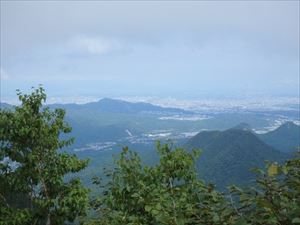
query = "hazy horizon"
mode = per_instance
[{"x": 171, "y": 49}]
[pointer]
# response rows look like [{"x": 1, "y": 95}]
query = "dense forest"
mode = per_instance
[{"x": 39, "y": 186}]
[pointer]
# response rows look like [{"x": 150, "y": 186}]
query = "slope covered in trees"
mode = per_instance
[
  {"x": 285, "y": 138},
  {"x": 228, "y": 156},
  {"x": 170, "y": 193},
  {"x": 34, "y": 188}
]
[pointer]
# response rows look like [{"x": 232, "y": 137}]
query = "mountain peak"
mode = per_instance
[
  {"x": 225, "y": 151},
  {"x": 121, "y": 106},
  {"x": 242, "y": 126},
  {"x": 109, "y": 100}
]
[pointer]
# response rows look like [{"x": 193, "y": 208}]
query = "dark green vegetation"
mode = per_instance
[
  {"x": 38, "y": 183},
  {"x": 285, "y": 138},
  {"x": 32, "y": 170},
  {"x": 110, "y": 120},
  {"x": 170, "y": 193},
  {"x": 227, "y": 156}
]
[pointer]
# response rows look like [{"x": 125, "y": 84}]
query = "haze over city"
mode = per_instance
[{"x": 83, "y": 51}]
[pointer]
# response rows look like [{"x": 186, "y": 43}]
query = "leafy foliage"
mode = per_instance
[
  {"x": 34, "y": 189},
  {"x": 275, "y": 199},
  {"x": 170, "y": 193},
  {"x": 32, "y": 170}
]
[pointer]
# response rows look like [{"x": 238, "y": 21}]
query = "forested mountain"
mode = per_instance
[
  {"x": 112, "y": 119},
  {"x": 120, "y": 106},
  {"x": 285, "y": 138},
  {"x": 227, "y": 156},
  {"x": 139, "y": 188},
  {"x": 5, "y": 106}
]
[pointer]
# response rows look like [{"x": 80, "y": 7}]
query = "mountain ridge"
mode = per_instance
[
  {"x": 114, "y": 106},
  {"x": 121, "y": 106},
  {"x": 227, "y": 156},
  {"x": 285, "y": 138}
]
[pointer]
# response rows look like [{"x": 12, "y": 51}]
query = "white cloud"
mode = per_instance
[
  {"x": 94, "y": 45},
  {"x": 3, "y": 75}
]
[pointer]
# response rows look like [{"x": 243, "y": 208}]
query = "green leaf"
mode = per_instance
[
  {"x": 148, "y": 208},
  {"x": 296, "y": 220},
  {"x": 241, "y": 221},
  {"x": 273, "y": 170}
]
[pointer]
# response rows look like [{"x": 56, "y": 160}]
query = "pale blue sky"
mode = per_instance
[{"x": 180, "y": 48}]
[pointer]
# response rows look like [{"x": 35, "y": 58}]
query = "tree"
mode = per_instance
[
  {"x": 35, "y": 191},
  {"x": 33, "y": 187},
  {"x": 168, "y": 193},
  {"x": 276, "y": 197}
]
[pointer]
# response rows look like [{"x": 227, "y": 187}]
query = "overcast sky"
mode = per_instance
[{"x": 182, "y": 49}]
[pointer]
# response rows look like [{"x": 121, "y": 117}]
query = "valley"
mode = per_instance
[
  {"x": 102, "y": 125},
  {"x": 241, "y": 139},
  {"x": 233, "y": 139}
]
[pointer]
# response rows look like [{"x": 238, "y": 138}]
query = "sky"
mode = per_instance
[{"x": 80, "y": 50}]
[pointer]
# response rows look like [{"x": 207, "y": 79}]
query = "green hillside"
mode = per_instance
[
  {"x": 285, "y": 138},
  {"x": 120, "y": 106},
  {"x": 227, "y": 156},
  {"x": 40, "y": 183}
]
